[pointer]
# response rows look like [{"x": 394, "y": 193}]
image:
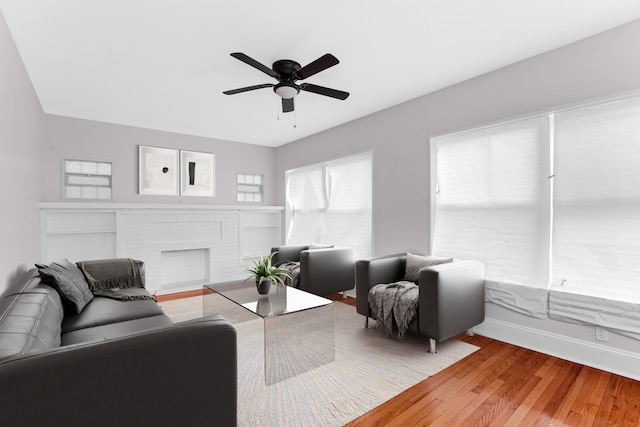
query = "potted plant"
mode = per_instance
[{"x": 265, "y": 273}]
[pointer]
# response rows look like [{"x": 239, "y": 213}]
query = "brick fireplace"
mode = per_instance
[{"x": 183, "y": 247}]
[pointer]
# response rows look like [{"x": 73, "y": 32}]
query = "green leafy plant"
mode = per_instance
[{"x": 264, "y": 269}]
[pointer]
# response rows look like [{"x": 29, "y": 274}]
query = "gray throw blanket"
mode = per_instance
[
  {"x": 126, "y": 294},
  {"x": 113, "y": 273},
  {"x": 293, "y": 267},
  {"x": 394, "y": 303},
  {"x": 121, "y": 279}
]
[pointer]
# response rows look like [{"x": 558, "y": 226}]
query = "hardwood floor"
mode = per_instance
[{"x": 505, "y": 385}]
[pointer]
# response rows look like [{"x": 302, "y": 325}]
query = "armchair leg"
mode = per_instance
[
  {"x": 366, "y": 322},
  {"x": 432, "y": 346}
]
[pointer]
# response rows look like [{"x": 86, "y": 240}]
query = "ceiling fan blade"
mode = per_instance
[
  {"x": 246, "y": 89},
  {"x": 321, "y": 90},
  {"x": 287, "y": 105},
  {"x": 255, "y": 64},
  {"x": 316, "y": 66}
]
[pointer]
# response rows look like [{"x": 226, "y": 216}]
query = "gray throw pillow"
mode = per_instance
[
  {"x": 70, "y": 283},
  {"x": 415, "y": 263}
]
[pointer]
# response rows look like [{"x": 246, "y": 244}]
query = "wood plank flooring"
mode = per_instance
[{"x": 505, "y": 385}]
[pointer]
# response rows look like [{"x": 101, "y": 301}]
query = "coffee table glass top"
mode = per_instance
[
  {"x": 299, "y": 327},
  {"x": 281, "y": 300}
]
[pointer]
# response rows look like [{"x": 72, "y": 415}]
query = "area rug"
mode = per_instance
[{"x": 369, "y": 368}]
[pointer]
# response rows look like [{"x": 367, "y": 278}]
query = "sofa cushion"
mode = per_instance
[
  {"x": 115, "y": 330},
  {"x": 415, "y": 263},
  {"x": 104, "y": 311},
  {"x": 70, "y": 283},
  {"x": 30, "y": 322}
]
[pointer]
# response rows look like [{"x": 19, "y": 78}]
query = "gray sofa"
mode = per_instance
[
  {"x": 114, "y": 363},
  {"x": 450, "y": 295},
  {"x": 323, "y": 270}
]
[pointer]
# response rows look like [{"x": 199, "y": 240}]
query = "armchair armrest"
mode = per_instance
[
  {"x": 372, "y": 271},
  {"x": 325, "y": 271},
  {"x": 183, "y": 374},
  {"x": 451, "y": 298},
  {"x": 287, "y": 253}
]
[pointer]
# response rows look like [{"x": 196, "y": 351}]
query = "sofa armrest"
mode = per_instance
[
  {"x": 451, "y": 298},
  {"x": 326, "y": 271},
  {"x": 185, "y": 374},
  {"x": 373, "y": 271}
]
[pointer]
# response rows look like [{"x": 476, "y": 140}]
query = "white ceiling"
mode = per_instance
[{"x": 163, "y": 64}]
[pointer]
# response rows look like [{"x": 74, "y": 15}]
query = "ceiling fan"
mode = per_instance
[{"x": 287, "y": 72}]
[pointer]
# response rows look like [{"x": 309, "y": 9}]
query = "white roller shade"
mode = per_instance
[
  {"x": 492, "y": 201},
  {"x": 349, "y": 214},
  {"x": 306, "y": 204},
  {"x": 596, "y": 232},
  {"x": 331, "y": 203}
]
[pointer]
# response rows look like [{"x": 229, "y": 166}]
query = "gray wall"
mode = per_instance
[
  {"x": 22, "y": 128},
  {"x": 600, "y": 66},
  {"x": 90, "y": 140},
  {"x": 34, "y": 144}
]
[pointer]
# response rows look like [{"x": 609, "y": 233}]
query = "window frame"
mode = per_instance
[
  {"x": 244, "y": 188},
  {"x": 68, "y": 176},
  {"x": 556, "y": 303},
  {"x": 327, "y": 208}
]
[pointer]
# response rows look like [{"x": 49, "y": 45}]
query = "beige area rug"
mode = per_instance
[{"x": 368, "y": 370}]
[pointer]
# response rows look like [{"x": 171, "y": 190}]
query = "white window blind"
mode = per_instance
[
  {"x": 349, "y": 213},
  {"x": 86, "y": 179},
  {"x": 306, "y": 204},
  {"x": 331, "y": 203},
  {"x": 249, "y": 187},
  {"x": 492, "y": 202},
  {"x": 596, "y": 232}
]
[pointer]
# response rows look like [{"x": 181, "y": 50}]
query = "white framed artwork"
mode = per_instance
[
  {"x": 158, "y": 171},
  {"x": 197, "y": 176}
]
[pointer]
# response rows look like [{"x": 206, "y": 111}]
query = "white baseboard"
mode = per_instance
[
  {"x": 174, "y": 290},
  {"x": 608, "y": 359}
]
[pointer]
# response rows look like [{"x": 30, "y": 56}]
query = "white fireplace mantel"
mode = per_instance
[
  {"x": 117, "y": 206},
  {"x": 200, "y": 243}
]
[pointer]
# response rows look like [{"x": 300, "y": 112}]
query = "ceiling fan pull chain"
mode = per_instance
[{"x": 295, "y": 119}]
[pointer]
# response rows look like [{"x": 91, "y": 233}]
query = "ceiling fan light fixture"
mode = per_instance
[
  {"x": 286, "y": 90},
  {"x": 286, "y": 72}
]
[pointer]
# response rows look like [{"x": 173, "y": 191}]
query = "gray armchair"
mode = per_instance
[
  {"x": 323, "y": 270},
  {"x": 451, "y": 295}
]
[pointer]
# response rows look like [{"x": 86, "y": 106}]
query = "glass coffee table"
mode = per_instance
[{"x": 299, "y": 327}]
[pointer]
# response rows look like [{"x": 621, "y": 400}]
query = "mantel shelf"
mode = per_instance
[
  {"x": 65, "y": 233},
  {"x": 89, "y": 206}
]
